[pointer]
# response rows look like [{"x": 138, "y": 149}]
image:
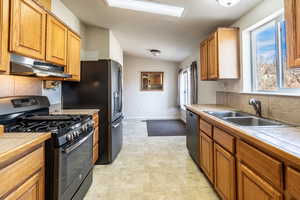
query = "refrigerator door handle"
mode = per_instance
[{"x": 116, "y": 125}]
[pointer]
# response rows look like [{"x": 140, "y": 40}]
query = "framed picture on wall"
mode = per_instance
[{"x": 152, "y": 81}]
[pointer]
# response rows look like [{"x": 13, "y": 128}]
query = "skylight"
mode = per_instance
[{"x": 146, "y": 6}]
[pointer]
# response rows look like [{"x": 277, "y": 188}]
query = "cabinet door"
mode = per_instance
[
  {"x": 95, "y": 153},
  {"x": 203, "y": 60},
  {"x": 293, "y": 183},
  {"x": 224, "y": 164},
  {"x": 46, "y": 4},
  {"x": 4, "y": 16},
  {"x": 251, "y": 186},
  {"x": 292, "y": 15},
  {"x": 213, "y": 56},
  {"x": 32, "y": 189},
  {"x": 57, "y": 33},
  {"x": 27, "y": 30},
  {"x": 206, "y": 156},
  {"x": 73, "y": 57}
]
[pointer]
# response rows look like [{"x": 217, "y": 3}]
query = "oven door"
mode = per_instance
[{"x": 74, "y": 164}]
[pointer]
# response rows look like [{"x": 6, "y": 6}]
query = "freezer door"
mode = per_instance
[
  {"x": 116, "y": 137},
  {"x": 116, "y": 90}
]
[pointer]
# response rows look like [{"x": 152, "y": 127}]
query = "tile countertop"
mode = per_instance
[
  {"x": 75, "y": 111},
  {"x": 12, "y": 144},
  {"x": 283, "y": 141}
]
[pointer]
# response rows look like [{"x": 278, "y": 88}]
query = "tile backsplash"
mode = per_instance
[
  {"x": 282, "y": 108},
  {"x": 20, "y": 86}
]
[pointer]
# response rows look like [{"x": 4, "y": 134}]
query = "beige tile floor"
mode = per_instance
[{"x": 150, "y": 168}]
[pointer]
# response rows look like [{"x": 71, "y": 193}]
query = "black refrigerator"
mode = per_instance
[{"x": 100, "y": 87}]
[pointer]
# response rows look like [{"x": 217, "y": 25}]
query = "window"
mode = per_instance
[
  {"x": 184, "y": 88},
  {"x": 269, "y": 59}
]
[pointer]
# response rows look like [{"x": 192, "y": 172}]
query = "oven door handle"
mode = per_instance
[{"x": 73, "y": 147}]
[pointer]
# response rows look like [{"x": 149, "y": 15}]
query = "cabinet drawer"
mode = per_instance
[
  {"x": 96, "y": 136},
  {"x": 33, "y": 188},
  {"x": 95, "y": 153},
  {"x": 206, "y": 128},
  {"x": 293, "y": 182},
  {"x": 22, "y": 169},
  {"x": 264, "y": 165},
  {"x": 224, "y": 139}
]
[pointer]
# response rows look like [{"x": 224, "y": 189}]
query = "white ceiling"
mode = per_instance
[{"x": 177, "y": 38}]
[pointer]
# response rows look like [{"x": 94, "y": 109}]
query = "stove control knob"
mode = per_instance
[
  {"x": 69, "y": 137},
  {"x": 77, "y": 133},
  {"x": 84, "y": 127},
  {"x": 74, "y": 134}
]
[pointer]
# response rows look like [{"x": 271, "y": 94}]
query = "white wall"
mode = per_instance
[
  {"x": 101, "y": 43},
  {"x": 96, "y": 43},
  {"x": 260, "y": 12},
  {"x": 149, "y": 105},
  {"x": 115, "y": 49}
]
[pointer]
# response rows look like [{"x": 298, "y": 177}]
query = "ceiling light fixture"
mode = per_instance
[
  {"x": 146, "y": 6},
  {"x": 155, "y": 52},
  {"x": 228, "y": 3}
]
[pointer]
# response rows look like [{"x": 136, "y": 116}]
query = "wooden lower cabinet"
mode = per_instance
[
  {"x": 292, "y": 184},
  {"x": 96, "y": 138},
  {"x": 225, "y": 176},
  {"x": 251, "y": 186},
  {"x": 206, "y": 156},
  {"x": 25, "y": 177},
  {"x": 95, "y": 153},
  {"x": 32, "y": 189}
]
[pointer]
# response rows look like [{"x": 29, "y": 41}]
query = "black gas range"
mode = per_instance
[{"x": 69, "y": 153}]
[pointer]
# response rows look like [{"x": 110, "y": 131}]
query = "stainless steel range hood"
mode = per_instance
[{"x": 25, "y": 66}]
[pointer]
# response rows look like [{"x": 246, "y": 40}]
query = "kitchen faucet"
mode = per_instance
[{"x": 256, "y": 105}]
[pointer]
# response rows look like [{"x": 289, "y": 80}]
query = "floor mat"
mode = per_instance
[{"x": 166, "y": 128}]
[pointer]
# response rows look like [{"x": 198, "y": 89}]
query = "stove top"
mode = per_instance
[
  {"x": 31, "y": 114},
  {"x": 45, "y": 123}
]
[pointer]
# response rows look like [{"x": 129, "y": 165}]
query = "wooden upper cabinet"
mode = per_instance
[
  {"x": 73, "y": 57},
  {"x": 251, "y": 186},
  {"x": 222, "y": 54},
  {"x": 27, "y": 30},
  {"x": 57, "y": 36},
  {"x": 224, "y": 165},
  {"x": 203, "y": 60},
  {"x": 206, "y": 156},
  {"x": 213, "y": 57},
  {"x": 4, "y": 24},
  {"x": 292, "y": 15}
]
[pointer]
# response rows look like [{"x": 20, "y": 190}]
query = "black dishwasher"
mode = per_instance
[{"x": 192, "y": 139}]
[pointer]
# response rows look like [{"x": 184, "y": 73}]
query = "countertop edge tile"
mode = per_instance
[
  {"x": 252, "y": 135},
  {"x": 13, "y": 144}
]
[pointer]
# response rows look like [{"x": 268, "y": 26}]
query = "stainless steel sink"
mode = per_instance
[
  {"x": 252, "y": 121},
  {"x": 244, "y": 119},
  {"x": 222, "y": 114}
]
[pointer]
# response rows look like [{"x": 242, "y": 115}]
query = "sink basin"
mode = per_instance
[
  {"x": 252, "y": 121},
  {"x": 223, "y": 114}
]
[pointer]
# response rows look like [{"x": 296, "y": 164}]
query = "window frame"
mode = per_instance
[{"x": 279, "y": 63}]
